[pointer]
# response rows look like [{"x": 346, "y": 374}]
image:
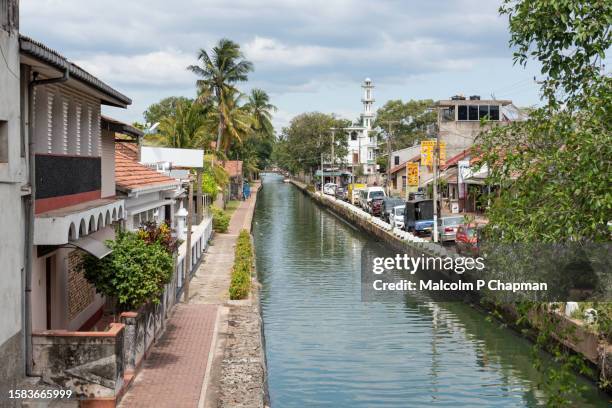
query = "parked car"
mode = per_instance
[
  {"x": 389, "y": 203},
  {"x": 341, "y": 193},
  {"x": 447, "y": 228},
  {"x": 376, "y": 207},
  {"x": 418, "y": 216},
  {"x": 368, "y": 194},
  {"x": 397, "y": 216},
  {"x": 329, "y": 188},
  {"x": 466, "y": 239}
]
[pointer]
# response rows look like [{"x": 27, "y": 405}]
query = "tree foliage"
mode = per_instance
[
  {"x": 554, "y": 169},
  {"x": 134, "y": 273},
  {"x": 220, "y": 70},
  {"x": 164, "y": 108},
  {"x": 409, "y": 121},
  {"x": 306, "y": 138}
]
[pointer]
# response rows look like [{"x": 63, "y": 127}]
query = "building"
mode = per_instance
[
  {"x": 459, "y": 119},
  {"x": 14, "y": 202},
  {"x": 149, "y": 194},
  {"x": 362, "y": 141},
  {"x": 234, "y": 171}
]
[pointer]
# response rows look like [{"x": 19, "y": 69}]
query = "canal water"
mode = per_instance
[{"x": 327, "y": 348}]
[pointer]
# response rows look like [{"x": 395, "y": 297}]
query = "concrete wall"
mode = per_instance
[
  {"x": 108, "y": 163},
  {"x": 13, "y": 174}
]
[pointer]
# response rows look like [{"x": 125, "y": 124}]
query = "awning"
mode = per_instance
[
  {"x": 332, "y": 173},
  {"x": 92, "y": 246}
]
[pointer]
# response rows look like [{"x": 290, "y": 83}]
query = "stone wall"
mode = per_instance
[{"x": 89, "y": 363}]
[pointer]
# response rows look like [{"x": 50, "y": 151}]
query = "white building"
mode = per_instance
[
  {"x": 362, "y": 141},
  {"x": 14, "y": 197}
]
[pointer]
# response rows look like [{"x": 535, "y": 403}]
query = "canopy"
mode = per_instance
[{"x": 92, "y": 246}]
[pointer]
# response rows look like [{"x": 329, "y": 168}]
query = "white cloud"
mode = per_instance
[{"x": 160, "y": 68}]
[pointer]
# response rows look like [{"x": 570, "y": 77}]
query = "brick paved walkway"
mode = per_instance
[{"x": 172, "y": 375}]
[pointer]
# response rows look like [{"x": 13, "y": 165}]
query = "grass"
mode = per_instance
[
  {"x": 240, "y": 284},
  {"x": 231, "y": 206}
]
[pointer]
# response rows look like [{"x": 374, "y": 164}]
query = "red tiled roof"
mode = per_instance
[
  {"x": 456, "y": 158},
  {"x": 403, "y": 165},
  {"x": 233, "y": 167},
  {"x": 128, "y": 149},
  {"x": 131, "y": 175}
]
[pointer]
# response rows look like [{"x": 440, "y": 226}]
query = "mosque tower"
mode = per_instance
[{"x": 368, "y": 101}]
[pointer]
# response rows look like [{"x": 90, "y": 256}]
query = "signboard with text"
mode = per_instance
[
  {"x": 427, "y": 152},
  {"x": 412, "y": 174}
]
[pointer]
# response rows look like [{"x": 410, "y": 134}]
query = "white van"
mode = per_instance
[{"x": 368, "y": 194}]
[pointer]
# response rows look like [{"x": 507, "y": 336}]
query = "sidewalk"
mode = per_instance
[{"x": 180, "y": 371}]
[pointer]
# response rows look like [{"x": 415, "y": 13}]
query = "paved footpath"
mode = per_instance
[{"x": 179, "y": 372}]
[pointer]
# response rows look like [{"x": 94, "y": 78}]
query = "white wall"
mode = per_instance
[
  {"x": 108, "y": 163},
  {"x": 13, "y": 173},
  {"x": 67, "y": 122}
]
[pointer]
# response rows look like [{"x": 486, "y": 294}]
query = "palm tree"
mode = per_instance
[
  {"x": 236, "y": 119},
  {"x": 261, "y": 109},
  {"x": 220, "y": 71},
  {"x": 188, "y": 127}
]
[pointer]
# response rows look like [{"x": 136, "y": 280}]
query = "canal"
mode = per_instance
[{"x": 327, "y": 348}]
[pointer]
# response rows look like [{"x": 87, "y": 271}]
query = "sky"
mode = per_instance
[{"x": 309, "y": 55}]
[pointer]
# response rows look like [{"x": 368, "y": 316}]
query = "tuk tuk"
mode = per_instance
[{"x": 418, "y": 216}]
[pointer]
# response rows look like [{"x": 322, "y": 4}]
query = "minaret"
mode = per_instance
[{"x": 368, "y": 100}]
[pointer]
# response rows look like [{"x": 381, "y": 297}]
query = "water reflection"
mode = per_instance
[{"x": 325, "y": 347}]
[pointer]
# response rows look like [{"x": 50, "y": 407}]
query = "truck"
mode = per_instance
[{"x": 353, "y": 189}]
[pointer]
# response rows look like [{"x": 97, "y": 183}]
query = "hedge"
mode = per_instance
[
  {"x": 240, "y": 284},
  {"x": 220, "y": 219}
]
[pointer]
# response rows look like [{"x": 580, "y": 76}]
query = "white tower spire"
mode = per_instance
[{"x": 367, "y": 100}]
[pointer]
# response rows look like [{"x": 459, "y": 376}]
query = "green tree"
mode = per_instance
[
  {"x": 220, "y": 71},
  {"x": 164, "y": 108},
  {"x": 134, "y": 273},
  {"x": 188, "y": 127},
  {"x": 307, "y": 137},
  {"x": 554, "y": 169},
  {"x": 261, "y": 109},
  {"x": 409, "y": 121}
]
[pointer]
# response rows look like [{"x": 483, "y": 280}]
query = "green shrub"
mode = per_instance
[
  {"x": 240, "y": 284},
  {"x": 134, "y": 273},
  {"x": 220, "y": 219}
]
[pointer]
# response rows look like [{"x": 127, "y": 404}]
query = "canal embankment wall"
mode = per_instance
[
  {"x": 243, "y": 379},
  {"x": 584, "y": 342}
]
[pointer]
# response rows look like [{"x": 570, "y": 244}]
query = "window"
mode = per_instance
[
  {"x": 463, "y": 115},
  {"x": 477, "y": 112},
  {"x": 494, "y": 112},
  {"x": 473, "y": 112},
  {"x": 4, "y": 145},
  {"x": 353, "y": 135},
  {"x": 448, "y": 114},
  {"x": 483, "y": 111},
  {"x": 396, "y": 160}
]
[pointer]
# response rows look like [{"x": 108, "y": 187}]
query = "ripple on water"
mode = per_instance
[{"x": 327, "y": 348}]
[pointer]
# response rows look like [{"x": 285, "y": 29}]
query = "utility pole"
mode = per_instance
[
  {"x": 199, "y": 198},
  {"x": 387, "y": 182},
  {"x": 436, "y": 155},
  {"x": 188, "y": 241},
  {"x": 333, "y": 158}
]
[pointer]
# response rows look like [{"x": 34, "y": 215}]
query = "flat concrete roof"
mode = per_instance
[{"x": 449, "y": 102}]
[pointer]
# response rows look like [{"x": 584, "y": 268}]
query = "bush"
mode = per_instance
[
  {"x": 150, "y": 232},
  {"x": 134, "y": 273},
  {"x": 220, "y": 219},
  {"x": 240, "y": 284}
]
